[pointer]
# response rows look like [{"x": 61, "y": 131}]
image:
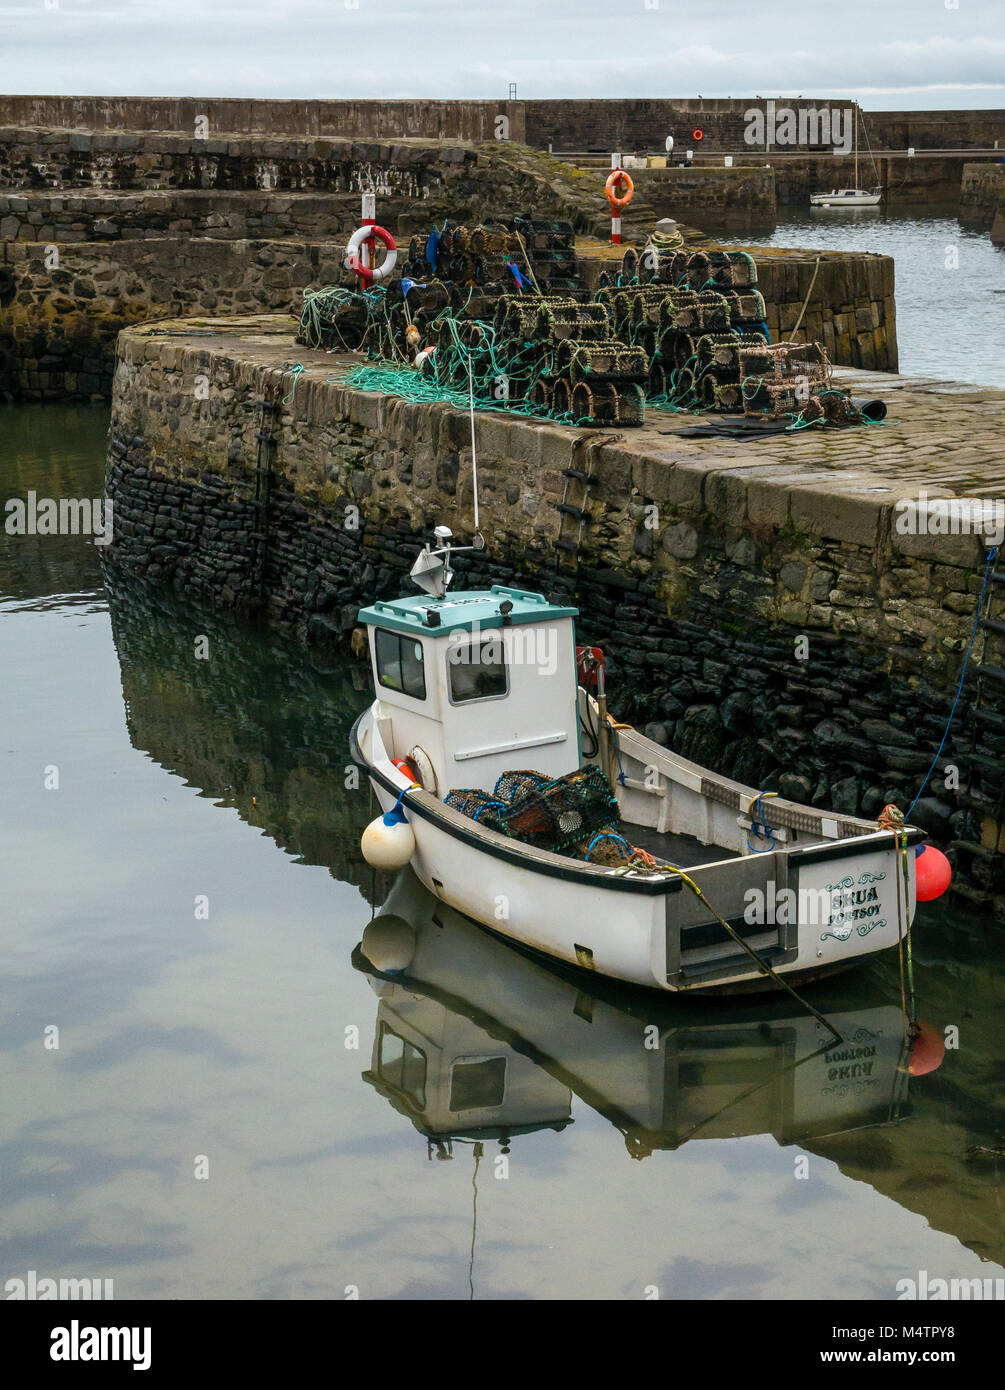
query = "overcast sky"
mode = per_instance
[{"x": 890, "y": 54}]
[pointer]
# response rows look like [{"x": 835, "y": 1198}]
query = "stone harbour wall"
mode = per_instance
[
  {"x": 60, "y": 159},
  {"x": 85, "y": 216},
  {"x": 701, "y": 616},
  {"x": 644, "y": 123},
  {"x": 436, "y": 120},
  {"x": 982, "y": 195},
  {"x": 61, "y": 328},
  {"x": 716, "y": 199}
]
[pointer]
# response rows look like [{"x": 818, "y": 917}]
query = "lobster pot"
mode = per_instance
[
  {"x": 416, "y": 267},
  {"x": 561, "y": 397},
  {"x": 647, "y": 340},
  {"x": 770, "y": 400},
  {"x": 487, "y": 269},
  {"x": 605, "y": 298},
  {"x": 539, "y": 234},
  {"x": 539, "y": 395},
  {"x": 341, "y": 331},
  {"x": 713, "y": 311},
  {"x": 604, "y": 361},
  {"x": 629, "y": 264},
  {"x": 493, "y": 240},
  {"x": 427, "y": 303},
  {"x": 677, "y": 348},
  {"x": 608, "y": 402},
  {"x": 564, "y": 318},
  {"x": 516, "y": 317},
  {"x": 680, "y": 309},
  {"x": 718, "y": 354},
  {"x": 670, "y": 267},
  {"x": 464, "y": 268},
  {"x": 647, "y": 307},
  {"x": 780, "y": 363},
  {"x": 621, "y": 307},
  {"x": 549, "y": 265},
  {"x": 724, "y": 396},
  {"x": 472, "y": 334},
  {"x": 724, "y": 270},
  {"x": 745, "y": 307},
  {"x": 658, "y": 382}
]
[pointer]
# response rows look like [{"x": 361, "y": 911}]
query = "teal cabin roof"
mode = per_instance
[{"x": 437, "y": 617}]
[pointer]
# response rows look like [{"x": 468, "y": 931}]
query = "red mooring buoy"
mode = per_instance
[
  {"x": 929, "y": 1049},
  {"x": 932, "y": 874}
]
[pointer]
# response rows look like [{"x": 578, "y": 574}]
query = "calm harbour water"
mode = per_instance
[
  {"x": 225, "y": 1042},
  {"x": 950, "y": 321}
]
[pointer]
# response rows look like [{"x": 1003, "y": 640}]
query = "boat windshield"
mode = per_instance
[{"x": 399, "y": 663}]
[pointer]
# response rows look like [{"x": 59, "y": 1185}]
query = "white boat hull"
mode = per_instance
[
  {"x": 652, "y": 930},
  {"x": 848, "y": 200}
]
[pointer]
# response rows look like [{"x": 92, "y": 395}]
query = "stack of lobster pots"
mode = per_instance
[
  {"x": 692, "y": 314},
  {"x": 504, "y": 308},
  {"x": 523, "y": 313},
  {"x": 579, "y": 367}
]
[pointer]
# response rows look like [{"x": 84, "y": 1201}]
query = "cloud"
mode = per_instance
[{"x": 475, "y": 48}]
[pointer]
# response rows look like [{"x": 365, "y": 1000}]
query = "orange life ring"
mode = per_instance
[
  {"x": 619, "y": 176},
  {"x": 697, "y": 133}
]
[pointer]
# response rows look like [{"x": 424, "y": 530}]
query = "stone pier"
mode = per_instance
[{"x": 762, "y": 607}]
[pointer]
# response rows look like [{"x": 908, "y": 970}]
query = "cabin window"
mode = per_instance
[
  {"x": 399, "y": 663},
  {"x": 478, "y": 1085},
  {"x": 402, "y": 1067},
  {"x": 477, "y": 671}
]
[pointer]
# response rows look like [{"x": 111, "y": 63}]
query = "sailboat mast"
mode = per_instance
[{"x": 856, "y": 144}]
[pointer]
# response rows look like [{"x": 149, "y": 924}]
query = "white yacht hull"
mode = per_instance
[{"x": 848, "y": 200}]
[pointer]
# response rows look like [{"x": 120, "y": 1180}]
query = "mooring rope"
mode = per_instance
[
  {"x": 992, "y": 554},
  {"x": 762, "y": 965}
]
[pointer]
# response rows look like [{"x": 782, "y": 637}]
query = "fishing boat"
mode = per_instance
[
  {"x": 850, "y": 197},
  {"x": 689, "y": 880}
]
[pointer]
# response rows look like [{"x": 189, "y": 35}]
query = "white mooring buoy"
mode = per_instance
[
  {"x": 389, "y": 944},
  {"x": 388, "y": 842}
]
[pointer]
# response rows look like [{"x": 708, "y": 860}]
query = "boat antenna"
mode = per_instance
[{"x": 432, "y": 571}]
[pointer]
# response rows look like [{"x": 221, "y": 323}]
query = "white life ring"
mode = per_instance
[{"x": 366, "y": 273}]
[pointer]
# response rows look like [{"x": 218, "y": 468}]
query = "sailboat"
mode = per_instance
[{"x": 849, "y": 197}]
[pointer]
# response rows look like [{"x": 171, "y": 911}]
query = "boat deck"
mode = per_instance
[{"x": 683, "y": 851}]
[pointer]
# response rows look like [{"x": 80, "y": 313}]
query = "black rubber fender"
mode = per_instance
[
  {"x": 8, "y": 285},
  {"x": 872, "y": 410}
]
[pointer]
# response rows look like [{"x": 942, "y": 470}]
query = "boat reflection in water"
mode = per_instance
[{"x": 478, "y": 1040}]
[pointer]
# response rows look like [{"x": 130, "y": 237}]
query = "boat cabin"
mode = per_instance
[{"x": 474, "y": 679}]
